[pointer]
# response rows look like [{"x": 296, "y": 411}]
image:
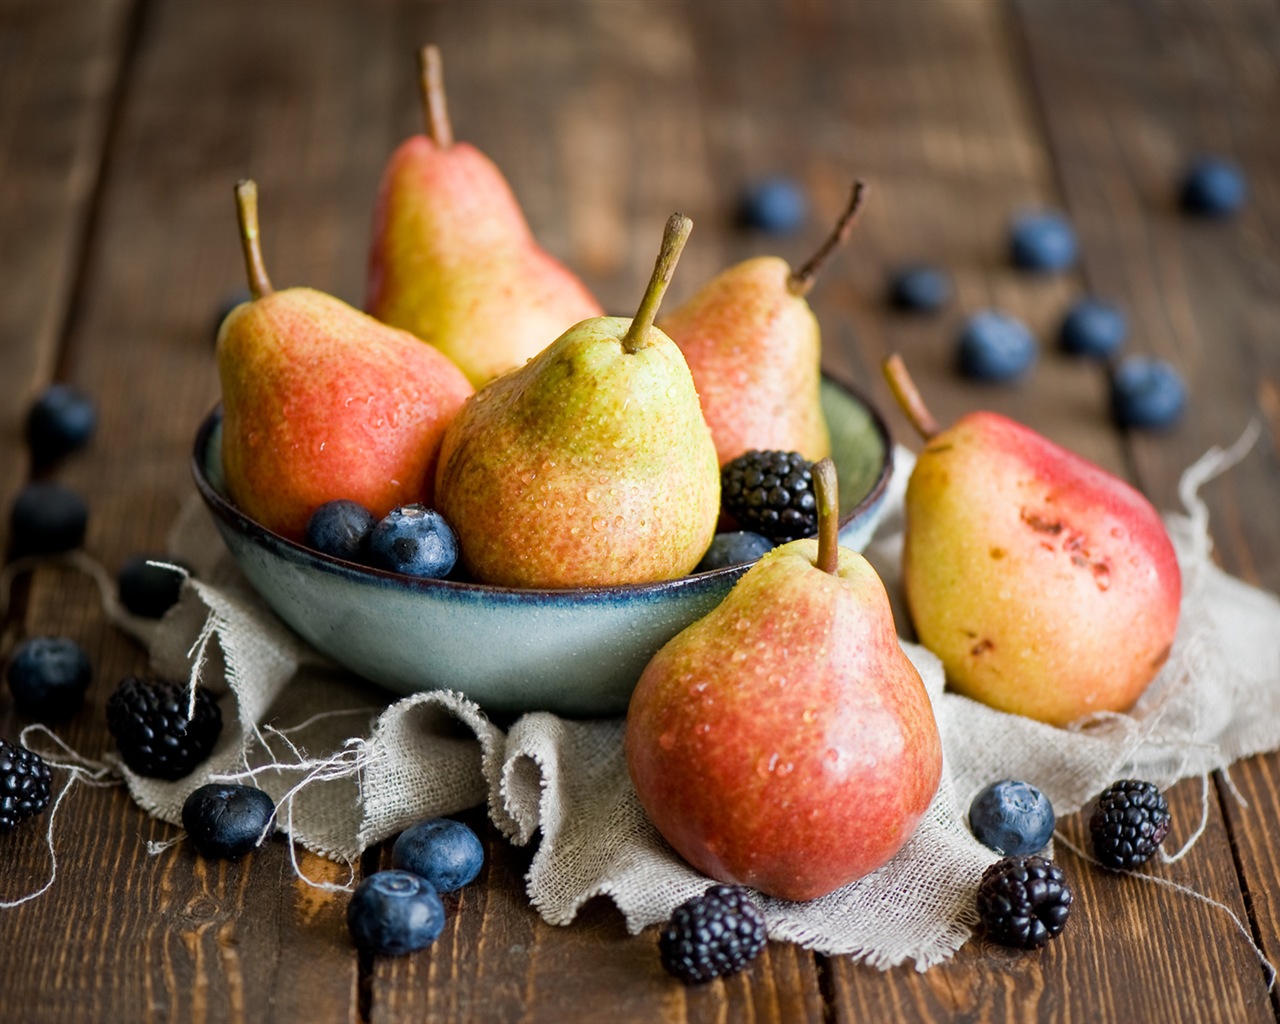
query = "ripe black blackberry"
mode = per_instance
[
  {"x": 1023, "y": 901},
  {"x": 148, "y": 718},
  {"x": 1129, "y": 823},
  {"x": 712, "y": 935},
  {"x": 24, "y": 785},
  {"x": 771, "y": 493}
]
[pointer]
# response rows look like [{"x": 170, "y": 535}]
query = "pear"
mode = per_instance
[
  {"x": 591, "y": 464},
  {"x": 321, "y": 401},
  {"x": 785, "y": 741},
  {"x": 452, "y": 258},
  {"x": 1048, "y": 587},
  {"x": 755, "y": 351}
]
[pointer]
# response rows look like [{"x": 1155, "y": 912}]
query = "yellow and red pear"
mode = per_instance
[
  {"x": 785, "y": 741},
  {"x": 321, "y": 401},
  {"x": 1047, "y": 586},
  {"x": 591, "y": 464},
  {"x": 754, "y": 348},
  {"x": 452, "y": 258}
]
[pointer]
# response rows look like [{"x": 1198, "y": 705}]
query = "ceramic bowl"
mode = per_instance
[{"x": 574, "y": 652}]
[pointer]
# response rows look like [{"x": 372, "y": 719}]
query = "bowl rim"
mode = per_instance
[{"x": 224, "y": 509}]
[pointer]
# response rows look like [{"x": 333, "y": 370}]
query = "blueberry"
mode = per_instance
[
  {"x": 921, "y": 289},
  {"x": 48, "y": 676},
  {"x": 341, "y": 528},
  {"x": 995, "y": 346},
  {"x": 227, "y": 821},
  {"x": 733, "y": 549},
  {"x": 775, "y": 205},
  {"x": 149, "y": 590},
  {"x": 47, "y": 519},
  {"x": 1042, "y": 241},
  {"x": 59, "y": 422},
  {"x": 1093, "y": 328},
  {"x": 1213, "y": 187},
  {"x": 1147, "y": 392},
  {"x": 395, "y": 912},
  {"x": 413, "y": 540},
  {"x": 1012, "y": 818},
  {"x": 443, "y": 851}
]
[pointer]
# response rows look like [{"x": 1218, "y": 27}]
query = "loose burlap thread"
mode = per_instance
[{"x": 350, "y": 764}]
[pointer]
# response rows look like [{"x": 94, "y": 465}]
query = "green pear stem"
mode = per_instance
[
  {"x": 801, "y": 281},
  {"x": 908, "y": 397},
  {"x": 828, "y": 495},
  {"x": 250, "y": 241},
  {"x": 434, "y": 105},
  {"x": 673, "y": 239}
]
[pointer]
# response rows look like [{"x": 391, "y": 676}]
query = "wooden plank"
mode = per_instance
[
  {"x": 932, "y": 108},
  {"x": 590, "y": 111},
  {"x": 57, "y": 67},
  {"x": 1178, "y": 80},
  {"x": 217, "y": 92}
]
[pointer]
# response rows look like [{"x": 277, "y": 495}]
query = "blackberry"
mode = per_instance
[
  {"x": 712, "y": 935},
  {"x": 24, "y": 785},
  {"x": 771, "y": 493},
  {"x": 148, "y": 718},
  {"x": 1023, "y": 901},
  {"x": 1129, "y": 823}
]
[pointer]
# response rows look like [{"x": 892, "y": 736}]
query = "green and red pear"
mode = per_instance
[
  {"x": 1047, "y": 586},
  {"x": 754, "y": 348},
  {"x": 591, "y": 464},
  {"x": 321, "y": 401},
  {"x": 452, "y": 258},
  {"x": 785, "y": 741}
]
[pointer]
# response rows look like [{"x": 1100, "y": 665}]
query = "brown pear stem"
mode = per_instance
[
  {"x": 828, "y": 495},
  {"x": 673, "y": 239},
  {"x": 801, "y": 281},
  {"x": 250, "y": 242},
  {"x": 908, "y": 398},
  {"x": 434, "y": 106}
]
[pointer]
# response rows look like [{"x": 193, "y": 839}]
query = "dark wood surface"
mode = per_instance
[{"x": 123, "y": 124}]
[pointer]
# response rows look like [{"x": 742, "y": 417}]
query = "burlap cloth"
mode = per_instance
[{"x": 350, "y": 764}]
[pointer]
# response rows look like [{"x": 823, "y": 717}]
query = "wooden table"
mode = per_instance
[{"x": 124, "y": 123}]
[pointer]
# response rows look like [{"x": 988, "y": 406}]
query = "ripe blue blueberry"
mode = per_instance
[
  {"x": 1093, "y": 328},
  {"x": 1012, "y": 818},
  {"x": 775, "y": 205},
  {"x": 48, "y": 676},
  {"x": 227, "y": 821},
  {"x": 413, "y": 540},
  {"x": 395, "y": 912},
  {"x": 341, "y": 528},
  {"x": 1043, "y": 240},
  {"x": 149, "y": 590},
  {"x": 59, "y": 422},
  {"x": 995, "y": 346},
  {"x": 1147, "y": 392},
  {"x": 1213, "y": 187},
  {"x": 47, "y": 519},
  {"x": 921, "y": 289},
  {"x": 733, "y": 548},
  {"x": 443, "y": 851}
]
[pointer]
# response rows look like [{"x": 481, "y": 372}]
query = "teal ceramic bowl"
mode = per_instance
[{"x": 577, "y": 652}]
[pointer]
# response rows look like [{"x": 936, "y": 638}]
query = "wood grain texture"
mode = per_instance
[
  {"x": 57, "y": 70},
  {"x": 606, "y": 117}
]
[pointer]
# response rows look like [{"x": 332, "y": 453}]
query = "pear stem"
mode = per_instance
[
  {"x": 908, "y": 397},
  {"x": 250, "y": 241},
  {"x": 434, "y": 105},
  {"x": 801, "y": 281},
  {"x": 828, "y": 495},
  {"x": 673, "y": 239}
]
